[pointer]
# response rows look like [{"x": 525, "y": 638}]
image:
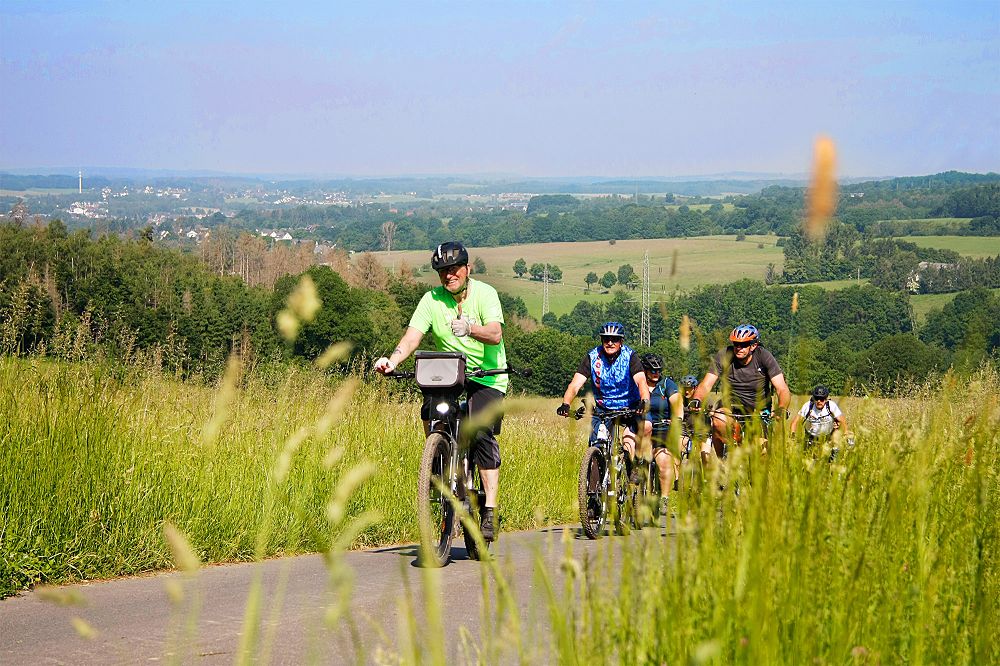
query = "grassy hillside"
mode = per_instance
[
  {"x": 969, "y": 246},
  {"x": 701, "y": 260}
]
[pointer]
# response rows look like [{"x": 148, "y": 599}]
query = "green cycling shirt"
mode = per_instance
[{"x": 438, "y": 308}]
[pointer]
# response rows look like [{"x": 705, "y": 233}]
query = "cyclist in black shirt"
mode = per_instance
[{"x": 752, "y": 373}]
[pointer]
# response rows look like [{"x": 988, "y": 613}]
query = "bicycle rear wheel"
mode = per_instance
[
  {"x": 475, "y": 502},
  {"x": 435, "y": 511},
  {"x": 592, "y": 492},
  {"x": 624, "y": 492}
]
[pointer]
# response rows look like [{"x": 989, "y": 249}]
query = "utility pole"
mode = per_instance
[
  {"x": 644, "y": 333},
  {"x": 81, "y": 181},
  {"x": 545, "y": 290}
]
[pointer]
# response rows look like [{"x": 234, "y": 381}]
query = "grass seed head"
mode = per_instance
[
  {"x": 337, "y": 406},
  {"x": 304, "y": 300},
  {"x": 336, "y": 510},
  {"x": 60, "y": 596},
  {"x": 181, "y": 552},
  {"x": 795, "y": 302},
  {"x": 83, "y": 628},
  {"x": 288, "y": 325},
  {"x": 822, "y": 196},
  {"x": 685, "y": 339},
  {"x": 334, "y": 353}
]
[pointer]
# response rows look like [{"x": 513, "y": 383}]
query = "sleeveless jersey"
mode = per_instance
[{"x": 614, "y": 387}]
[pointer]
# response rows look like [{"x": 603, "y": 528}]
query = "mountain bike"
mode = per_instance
[
  {"x": 449, "y": 487},
  {"x": 604, "y": 491},
  {"x": 743, "y": 421}
]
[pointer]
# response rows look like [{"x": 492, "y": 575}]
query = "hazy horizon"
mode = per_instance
[{"x": 521, "y": 90}]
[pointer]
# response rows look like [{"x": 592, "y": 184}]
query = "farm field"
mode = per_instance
[
  {"x": 977, "y": 247},
  {"x": 833, "y": 284},
  {"x": 923, "y": 303},
  {"x": 701, "y": 260}
]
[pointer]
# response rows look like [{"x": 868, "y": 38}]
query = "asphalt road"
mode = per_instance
[{"x": 176, "y": 618}]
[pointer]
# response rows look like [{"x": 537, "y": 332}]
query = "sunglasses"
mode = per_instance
[
  {"x": 609, "y": 340},
  {"x": 743, "y": 345}
]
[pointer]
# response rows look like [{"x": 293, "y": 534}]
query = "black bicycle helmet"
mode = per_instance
[
  {"x": 689, "y": 381},
  {"x": 448, "y": 254},
  {"x": 821, "y": 393},
  {"x": 652, "y": 363},
  {"x": 613, "y": 329}
]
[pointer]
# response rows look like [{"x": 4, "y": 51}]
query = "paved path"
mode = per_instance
[{"x": 135, "y": 620}]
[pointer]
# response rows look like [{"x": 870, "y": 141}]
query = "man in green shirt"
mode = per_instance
[{"x": 463, "y": 315}]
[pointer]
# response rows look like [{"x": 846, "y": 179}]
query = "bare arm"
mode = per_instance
[
  {"x": 488, "y": 334},
  {"x": 706, "y": 386},
  {"x": 676, "y": 409},
  {"x": 640, "y": 380},
  {"x": 574, "y": 387},
  {"x": 795, "y": 423},
  {"x": 410, "y": 341},
  {"x": 784, "y": 395}
]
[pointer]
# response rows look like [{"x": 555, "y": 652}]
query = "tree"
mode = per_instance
[
  {"x": 479, "y": 266},
  {"x": 388, "y": 232},
  {"x": 537, "y": 271},
  {"x": 625, "y": 272},
  {"x": 608, "y": 280},
  {"x": 555, "y": 273},
  {"x": 771, "y": 275},
  {"x": 520, "y": 267},
  {"x": 591, "y": 279},
  {"x": 19, "y": 213}
]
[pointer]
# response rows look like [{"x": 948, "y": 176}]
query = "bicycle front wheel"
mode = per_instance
[
  {"x": 593, "y": 492},
  {"x": 435, "y": 510}
]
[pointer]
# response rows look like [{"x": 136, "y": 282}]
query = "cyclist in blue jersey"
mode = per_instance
[
  {"x": 615, "y": 373},
  {"x": 666, "y": 410}
]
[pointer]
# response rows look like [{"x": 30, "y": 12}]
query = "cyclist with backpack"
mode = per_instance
[
  {"x": 463, "y": 315},
  {"x": 821, "y": 415},
  {"x": 666, "y": 411},
  {"x": 615, "y": 373},
  {"x": 752, "y": 376}
]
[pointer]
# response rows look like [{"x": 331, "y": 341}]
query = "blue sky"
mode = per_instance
[{"x": 534, "y": 89}]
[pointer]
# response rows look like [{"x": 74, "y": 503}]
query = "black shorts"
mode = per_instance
[{"x": 485, "y": 448}]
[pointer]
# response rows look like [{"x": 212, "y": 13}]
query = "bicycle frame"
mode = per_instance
[
  {"x": 595, "y": 495},
  {"x": 447, "y": 465}
]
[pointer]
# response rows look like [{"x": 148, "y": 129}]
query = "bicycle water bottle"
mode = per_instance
[{"x": 602, "y": 432}]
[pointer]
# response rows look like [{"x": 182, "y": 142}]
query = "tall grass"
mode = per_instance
[
  {"x": 888, "y": 555},
  {"x": 94, "y": 458}
]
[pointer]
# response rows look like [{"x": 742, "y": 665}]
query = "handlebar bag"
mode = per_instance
[{"x": 440, "y": 370}]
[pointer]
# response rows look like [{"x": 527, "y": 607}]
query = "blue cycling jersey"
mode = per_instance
[{"x": 612, "y": 380}]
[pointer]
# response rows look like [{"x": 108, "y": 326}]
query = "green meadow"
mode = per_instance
[
  {"x": 887, "y": 555},
  {"x": 674, "y": 264},
  {"x": 977, "y": 247}
]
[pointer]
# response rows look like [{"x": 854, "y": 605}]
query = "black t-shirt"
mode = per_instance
[{"x": 750, "y": 383}]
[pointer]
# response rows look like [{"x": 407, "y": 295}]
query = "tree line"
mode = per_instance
[
  {"x": 62, "y": 294},
  {"x": 890, "y": 263}
]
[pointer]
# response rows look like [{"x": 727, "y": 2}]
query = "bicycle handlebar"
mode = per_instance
[
  {"x": 478, "y": 372},
  {"x": 607, "y": 414}
]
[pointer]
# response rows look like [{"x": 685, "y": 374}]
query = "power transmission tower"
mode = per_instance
[
  {"x": 644, "y": 332},
  {"x": 545, "y": 290}
]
